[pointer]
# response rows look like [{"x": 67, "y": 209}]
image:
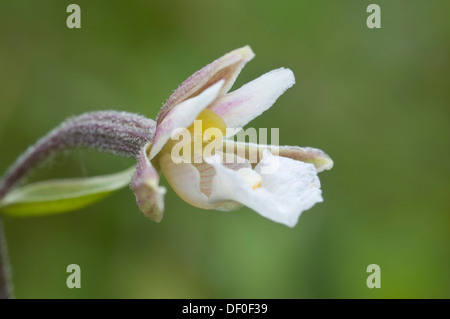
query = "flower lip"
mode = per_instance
[{"x": 282, "y": 197}]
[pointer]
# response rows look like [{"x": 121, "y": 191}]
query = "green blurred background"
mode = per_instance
[{"x": 377, "y": 101}]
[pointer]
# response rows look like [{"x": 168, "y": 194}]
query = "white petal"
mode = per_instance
[
  {"x": 182, "y": 116},
  {"x": 145, "y": 185},
  {"x": 243, "y": 105},
  {"x": 283, "y": 194}
]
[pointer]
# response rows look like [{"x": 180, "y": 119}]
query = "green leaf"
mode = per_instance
[{"x": 58, "y": 196}]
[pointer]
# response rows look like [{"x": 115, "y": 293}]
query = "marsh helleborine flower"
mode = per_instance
[
  {"x": 278, "y": 182},
  {"x": 280, "y": 194}
]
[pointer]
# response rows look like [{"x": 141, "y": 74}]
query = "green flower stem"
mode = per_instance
[
  {"x": 119, "y": 133},
  {"x": 6, "y": 286}
]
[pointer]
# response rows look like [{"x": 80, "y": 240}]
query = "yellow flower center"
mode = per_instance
[
  {"x": 207, "y": 119},
  {"x": 207, "y": 127}
]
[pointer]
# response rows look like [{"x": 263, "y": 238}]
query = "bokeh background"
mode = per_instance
[{"x": 377, "y": 101}]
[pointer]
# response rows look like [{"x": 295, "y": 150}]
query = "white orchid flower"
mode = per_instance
[
  {"x": 278, "y": 182},
  {"x": 280, "y": 185}
]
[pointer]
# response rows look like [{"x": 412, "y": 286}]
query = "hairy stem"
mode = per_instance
[
  {"x": 119, "y": 133},
  {"x": 6, "y": 287}
]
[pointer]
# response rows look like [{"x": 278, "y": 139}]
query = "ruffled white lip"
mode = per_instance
[{"x": 287, "y": 187}]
